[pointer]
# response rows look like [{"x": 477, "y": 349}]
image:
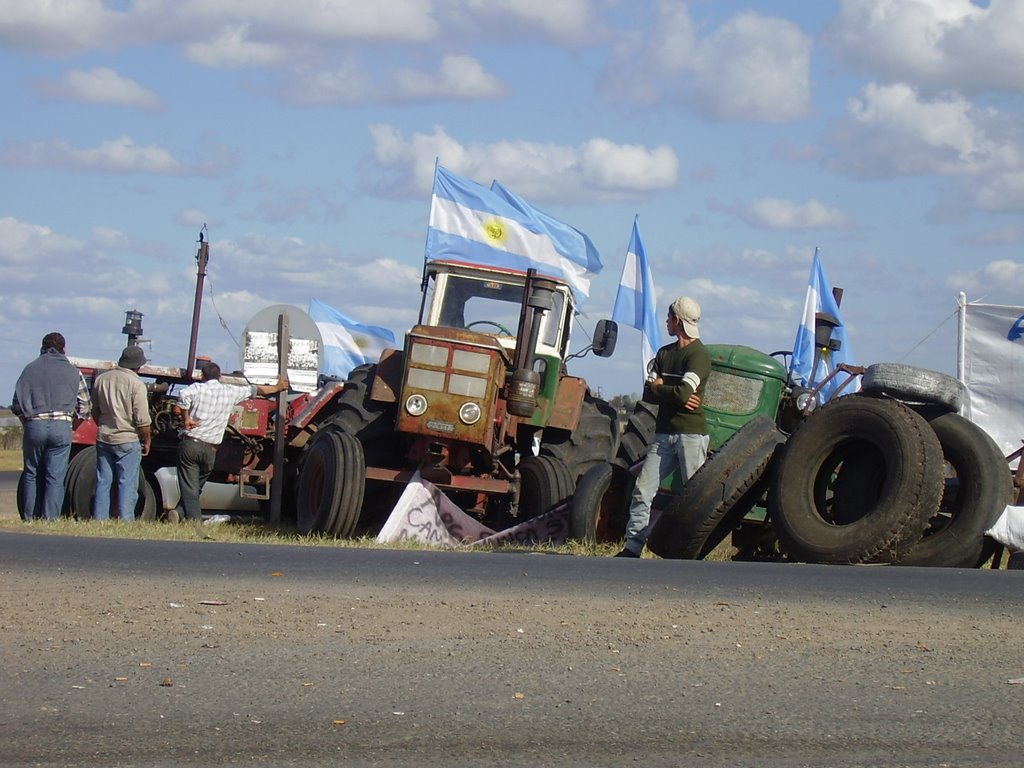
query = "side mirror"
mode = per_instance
[{"x": 606, "y": 332}]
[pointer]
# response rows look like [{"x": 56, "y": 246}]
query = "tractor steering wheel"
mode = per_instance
[{"x": 499, "y": 326}]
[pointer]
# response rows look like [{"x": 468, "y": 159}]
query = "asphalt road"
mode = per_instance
[{"x": 167, "y": 654}]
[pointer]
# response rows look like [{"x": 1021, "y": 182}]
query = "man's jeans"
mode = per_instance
[
  {"x": 668, "y": 451},
  {"x": 195, "y": 463},
  {"x": 117, "y": 464},
  {"x": 45, "y": 447}
]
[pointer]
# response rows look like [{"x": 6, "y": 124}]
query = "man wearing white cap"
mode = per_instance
[{"x": 676, "y": 380}]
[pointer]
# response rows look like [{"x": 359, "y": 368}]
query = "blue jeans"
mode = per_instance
[
  {"x": 117, "y": 466},
  {"x": 45, "y": 448},
  {"x": 195, "y": 463},
  {"x": 667, "y": 452}
]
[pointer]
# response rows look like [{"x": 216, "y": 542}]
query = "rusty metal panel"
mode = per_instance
[
  {"x": 458, "y": 483},
  {"x": 568, "y": 403},
  {"x": 387, "y": 383}
]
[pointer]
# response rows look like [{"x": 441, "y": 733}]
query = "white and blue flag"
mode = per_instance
[
  {"x": 635, "y": 302},
  {"x": 347, "y": 343},
  {"x": 819, "y": 299},
  {"x": 469, "y": 222}
]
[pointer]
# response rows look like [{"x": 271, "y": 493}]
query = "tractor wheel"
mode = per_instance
[
  {"x": 545, "y": 484},
  {"x": 319, "y": 494},
  {"x": 718, "y": 495},
  {"x": 352, "y": 472},
  {"x": 913, "y": 385},
  {"x": 592, "y": 442},
  {"x": 979, "y": 485},
  {"x": 809, "y": 506},
  {"x": 600, "y": 504},
  {"x": 638, "y": 434},
  {"x": 370, "y": 422},
  {"x": 80, "y": 487}
]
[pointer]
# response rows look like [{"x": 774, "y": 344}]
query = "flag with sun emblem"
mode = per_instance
[
  {"x": 469, "y": 222},
  {"x": 347, "y": 343}
]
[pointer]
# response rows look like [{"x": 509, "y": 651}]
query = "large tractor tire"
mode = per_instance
[
  {"x": 913, "y": 385},
  {"x": 370, "y": 422},
  {"x": 978, "y": 487},
  {"x": 637, "y": 434},
  {"x": 810, "y": 503},
  {"x": 319, "y": 493},
  {"x": 592, "y": 442},
  {"x": 600, "y": 504},
  {"x": 545, "y": 483},
  {"x": 718, "y": 495},
  {"x": 80, "y": 487}
]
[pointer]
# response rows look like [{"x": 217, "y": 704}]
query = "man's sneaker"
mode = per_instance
[{"x": 627, "y": 553}]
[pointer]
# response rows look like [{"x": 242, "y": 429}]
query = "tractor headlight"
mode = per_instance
[
  {"x": 806, "y": 402},
  {"x": 416, "y": 405},
  {"x": 470, "y": 413}
]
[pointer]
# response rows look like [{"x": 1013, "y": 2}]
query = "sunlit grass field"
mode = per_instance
[{"x": 10, "y": 461}]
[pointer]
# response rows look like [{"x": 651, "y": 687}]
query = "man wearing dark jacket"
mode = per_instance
[{"x": 50, "y": 398}]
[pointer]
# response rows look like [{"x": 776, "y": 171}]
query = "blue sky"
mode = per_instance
[{"x": 304, "y": 134}]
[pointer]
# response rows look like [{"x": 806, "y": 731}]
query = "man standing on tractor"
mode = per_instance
[{"x": 676, "y": 381}]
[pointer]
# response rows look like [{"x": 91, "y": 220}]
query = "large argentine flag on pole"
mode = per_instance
[
  {"x": 347, "y": 343},
  {"x": 469, "y": 222},
  {"x": 819, "y": 299},
  {"x": 635, "y": 302}
]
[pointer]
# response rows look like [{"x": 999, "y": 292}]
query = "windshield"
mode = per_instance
[{"x": 492, "y": 307}]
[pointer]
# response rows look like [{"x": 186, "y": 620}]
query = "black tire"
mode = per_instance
[
  {"x": 637, "y": 434},
  {"x": 913, "y": 385},
  {"x": 714, "y": 500},
  {"x": 372, "y": 423},
  {"x": 978, "y": 487},
  {"x": 808, "y": 485},
  {"x": 592, "y": 442},
  {"x": 319, "y": 493},
  {"x": 353, "y": 483},
  {"x": 80, "y": 487},
  {"x": 600, "y": 504},
  {"x": 545, "y": 483}
]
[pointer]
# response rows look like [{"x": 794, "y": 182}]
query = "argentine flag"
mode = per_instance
[
  {"x": 635, "y": 302},
  {"x": 819, "y": 299},
  {"x": 347, "y": 343},
  {"x": 469, "y": 222}
]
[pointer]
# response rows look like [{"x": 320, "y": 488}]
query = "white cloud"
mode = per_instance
[
  {"x": 121, "y": 155},
  {"x": 102, "y": 85},
  {"x": 22, "y": 242},
  {"x": 1003, "y": 277},
  {"x": 775, "y": 213},
  {"x": 568, "y": 21},
  {"x": 598, "y": 169},
  {"x": 460, "y": 78},
  {"x": 232, "y": 49},
  {"x": 892, "y": 130},
  {"x": 751, "y": 68},
  {"x": 935, "y": 44}
]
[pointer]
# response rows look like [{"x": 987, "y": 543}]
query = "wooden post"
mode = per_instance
[{"x": 277, "y": 482}]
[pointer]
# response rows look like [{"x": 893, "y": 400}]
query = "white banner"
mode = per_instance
[{"x": 994, "y": 372}]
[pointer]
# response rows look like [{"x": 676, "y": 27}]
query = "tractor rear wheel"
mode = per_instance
[
  {"x": 80, "y": 487},
  {"x": 638, "y": 434},
  {"x": 592, "y": 442}
]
